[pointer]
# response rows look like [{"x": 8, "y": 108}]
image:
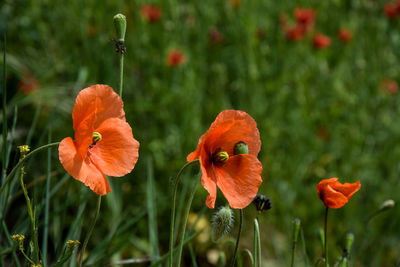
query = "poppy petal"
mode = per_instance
[
  {"x": 99, "y": 101},
  {"x": 117, "y": 152},
  {"x": 239, "y": 179},
  {"x": 347, "y": 189},
  {"x": 82, "y": 170},
  {"x": 208, "y": 179},
  {"x": 230, "y": 127},
  {"x": 322, "y": 184},
  {"x": 334, "y": 199}
]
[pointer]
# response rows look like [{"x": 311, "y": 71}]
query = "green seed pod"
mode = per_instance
[
  {"x": 296, "y": 229},
  {"x": 221, "y": 223},
  {"x": 241, "y": 148},
  {"x": 120, "y": 26}
]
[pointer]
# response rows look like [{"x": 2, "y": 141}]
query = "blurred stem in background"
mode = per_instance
[
  {"x": 47, "y": 204},
  {"x": 325, "y": 238},
  {"x": 296, "y": 230},
  {"x": 257, "y": 244}
]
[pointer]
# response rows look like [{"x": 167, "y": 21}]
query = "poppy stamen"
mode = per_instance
[{"x": 219, "y": 157}]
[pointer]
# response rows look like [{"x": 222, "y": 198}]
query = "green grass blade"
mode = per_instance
[{"x": 152, "y": 209}]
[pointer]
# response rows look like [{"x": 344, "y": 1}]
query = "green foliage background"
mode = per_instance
[{"x": 321, "y": 114}]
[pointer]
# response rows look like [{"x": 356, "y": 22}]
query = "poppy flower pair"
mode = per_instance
[
  {"x": 104, "y": 144},
  {"x": 334, "y": 194}
]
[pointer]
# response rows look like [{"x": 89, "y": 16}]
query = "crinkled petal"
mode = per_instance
[
  {"x": 239, "y": 179},
  {"x": 347, "y": 189},
  {"x": 99, "y": 101},
  {"x": 322, "y": 184},
  {"x": 117, "y": 152},
  {"x": 334, "y": 199},
  {"x": 208, "y": 179},
  {"x": 82, "y": 170}
]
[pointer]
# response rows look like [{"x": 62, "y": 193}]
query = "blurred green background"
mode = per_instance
[{"x": 321, "y": 113}]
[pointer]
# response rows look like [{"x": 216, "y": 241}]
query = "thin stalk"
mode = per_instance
[
  {"x": 238, "y": 238},
  {"x": 171, "y": 234},
  {"x": 90, "y": 231},
  {"x": 18, "y": 166},
  {"x": 10, "y": 242},
  {"x": 121, "y": 73},
  {"x": 31, "y": 216},
  {"x": 257, "y": 243},
  {"x": 4, "y": 96},
  {"x": 326, "y": 241},
  {"x": 46, "y": 205},
  {"x": 188, "y": 204}
]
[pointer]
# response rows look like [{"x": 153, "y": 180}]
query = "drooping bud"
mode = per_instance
[
  {"x": 23, "y": 150},
  {"x": 220, "y": 157},
  {"x": 96, "y": 137},
  {"x": 221, "y": 223},
  {"x": 262, "y": 203},
  {"x": 387, "y": 205},
  {"x": 120, "y": 26},
  {"x": 241, "y": 148}
]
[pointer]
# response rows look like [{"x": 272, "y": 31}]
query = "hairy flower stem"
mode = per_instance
[
  {"x": 171, "y": 234},
  {"x": 90, "y": 230},
  {"x": 326, "y": 241},
  {"x": 238, "y": 238},
  {"x": 121, "y": 73},
  {"x": 31, "y": 216},
  {"x": 21, "y": 161}
]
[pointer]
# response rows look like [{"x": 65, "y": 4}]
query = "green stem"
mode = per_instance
[
  {"x": 4, "y": 96},
  {"x": 257, "y": 243},
  {"x": 47, "y": 204},
  {"x": 238, "y": 238},
  {"x": 90, "y": 231},
  {"x": 326, "y": 241},
  {"x": 31, "y": 216},
  {"x": 121, "y": 73},
  {"x": 171, "y": 234},
  {"x": 27, "y": 258},
  {"x": 188, "y": 204},
  {"x": 18, "y": 166}
]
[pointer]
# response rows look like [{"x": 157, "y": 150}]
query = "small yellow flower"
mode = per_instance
[
  {"x": 23, "y": 150},
  {"x": 72, "y": 244},
  {"x": 18, "y": 238}
]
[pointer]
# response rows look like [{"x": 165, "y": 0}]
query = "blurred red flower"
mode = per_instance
[
  {"x": 150, "y": 13},
  {"x": 175, "y": 58},
  {"x": 391, "y": 10},
  {"x": 28, "y": 83},
  {"x": 334, "y": 194},
  {"x": 103, "y": 144},
  {"x": 305, "y": 17},
  {"x": 390, "y": 86},
  {"x": 295, "y": 33},
  {"x": 215, "y": 36},
  {"x": 321, "y": 41},
  {"x": 238, "y": 175},
  {"x": 345, "y": 35}
]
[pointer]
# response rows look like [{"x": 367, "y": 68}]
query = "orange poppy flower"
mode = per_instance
[
  {"x": 334, "y": 194},
  {"x": 237, "y": 175},
  {"x": 305, "y": 17},
  {"x": 345, "y": 35},
  {"x": 103, "y": 144},
  {"x": 321, "y": 41},
  {"x": 175, "y": 58},
  {"x": 151, "y": 13}
]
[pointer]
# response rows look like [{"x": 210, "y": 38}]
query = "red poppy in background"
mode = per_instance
[
  {"x": 334, "y": 194},
  {"x": 28, "y": 83},
  {"x": 345, "y": 35},
  {"x": 305, "y": 17},
  {"x": 215, "y": 36},
  {"x": 295, "y": 33},
  {"x": 175, "y": 58},
  {"x": 391, "y": 10},
  {"x": 237, "y": 175},
  {"x": 103, "y": 144},
  {"x": 151, "y": 13},
  {"x": 390, "y": 86},
  {"x": 321, "y": 41}
]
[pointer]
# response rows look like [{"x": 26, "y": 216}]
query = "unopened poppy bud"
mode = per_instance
[
  {"x": 96, "y": 137},
  {"x": 23, "y": 150},
  {"x": 262, "y": 202},
  {"x": 72, "y": 244},
  {"x": 120, "y": 26},
  {"x": 241, "y": 148},
  {"x": 387, "y": 205},
  {"x": 220, "y": 157},
  {"x": 296, "y": 229},
  {"x": 321, "y": 236},
  {"x": 221, "y": 223}
]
